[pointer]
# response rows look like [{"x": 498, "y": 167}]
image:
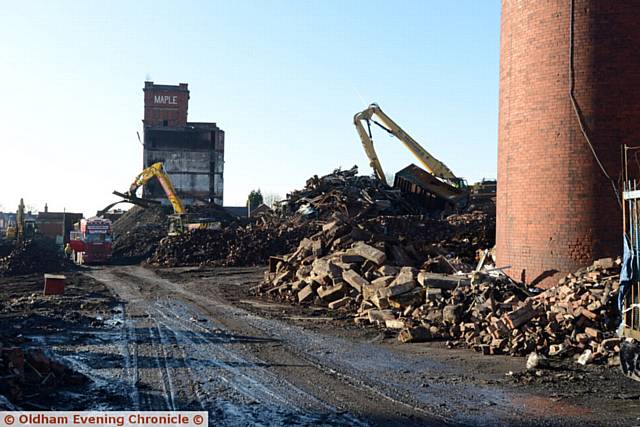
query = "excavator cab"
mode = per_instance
[
  {"x": 176, "y": 225},
  {"x": 30, "y": 228},
  {"x": 460, "y": 183},
  {"x": 10, "y": 234}
]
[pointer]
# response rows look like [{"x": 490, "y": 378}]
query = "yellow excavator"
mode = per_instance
[
  {"x": 437, "y": 182},
  {"x": 178, "y": 222},
  {"x": 25, "y": 228}
]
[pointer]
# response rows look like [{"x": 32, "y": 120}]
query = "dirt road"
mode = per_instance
[{"x": 181, "y": 341}]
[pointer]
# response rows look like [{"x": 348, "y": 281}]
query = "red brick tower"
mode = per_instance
[
  {"x": 165, "y": 105},
  {"x": 556, "y": 208}
]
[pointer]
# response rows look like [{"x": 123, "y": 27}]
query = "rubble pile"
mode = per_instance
[
  {"x": 137, "y": 233},
  {"x": 34, "y": 256},
  {"x": 235, "y": 245},
  {"x": 495, "y": 316},
  {"x": 373, "y": 276},
  {"x": 6, "y": 246},
  {"x": 357, "y": 197},
  {"x": 581, "y": 313},
  {"x": 359, "y": 207},
  {"x": 29, "y": 372}
]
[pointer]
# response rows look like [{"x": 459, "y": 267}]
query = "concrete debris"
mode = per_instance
[
  {"x": 586, "y": 357},
  {"x": 235, "y": 245},
  {"x": 349, "y": 212},
  {"x": 30, "y": 371},
  {"x": 484, "y": 310},
  {"x": 137, "y": 233},
  {"x": 34, "y": 256},
  {"x": 536, "y": 361}
]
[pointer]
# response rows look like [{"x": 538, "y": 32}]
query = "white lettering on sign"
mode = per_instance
[{"x": 165, "y": 99}]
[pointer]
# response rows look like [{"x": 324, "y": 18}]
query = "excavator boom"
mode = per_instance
[
  {"x": 180, "y": 221},
  {"x": 156, "y": 170},
  {"x": 367, "y": 144},
  {"x": 431, "y": 164}
]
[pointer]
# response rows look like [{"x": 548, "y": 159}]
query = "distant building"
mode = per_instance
[
  {"x": 57, "y": 225},
  {"x": 237, "y": 211},
  {"x": 7, "y": 219},
  {"x": 192, "y": 152},
  {"x": 261, "y": 209}
]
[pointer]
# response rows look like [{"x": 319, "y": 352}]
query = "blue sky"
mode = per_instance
[{"x": 282, "y": 78}]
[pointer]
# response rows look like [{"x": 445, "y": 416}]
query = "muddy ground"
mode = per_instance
[
  {"x": 88, "y": 311},
  {"x": 192, "y": 339}
]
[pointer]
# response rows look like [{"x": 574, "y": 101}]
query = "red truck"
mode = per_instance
[{"x": 91, "y": 241}]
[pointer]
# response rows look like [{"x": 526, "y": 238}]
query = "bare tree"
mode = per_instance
[
  {"x": 270, "y": 199},
  {"x": 31, "y": 208}
]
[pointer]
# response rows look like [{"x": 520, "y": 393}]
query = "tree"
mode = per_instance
[
  {"x": 31, "y": 208},
  {"x": 255, "y": 199},
  {"x": 270, "y": 199}
]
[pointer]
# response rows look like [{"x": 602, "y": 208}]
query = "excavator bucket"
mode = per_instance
[
  {"x": 436, "y": 187},
  {"x": 139, "y": 201}
]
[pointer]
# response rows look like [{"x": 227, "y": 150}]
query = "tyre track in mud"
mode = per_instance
[
  {"x": 193, "y": 365},
  {"x": 141, "y": 338},
  {"x": 274, "y": 372},
  {"x": 247, "y": 369},
  {"x": 356, "y": 395},
  {"x": 257, "y": 384}
]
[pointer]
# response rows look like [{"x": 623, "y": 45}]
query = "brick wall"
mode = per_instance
[
  {"x": 166, "y": 105},
  {"x": 556, "y": 210}
]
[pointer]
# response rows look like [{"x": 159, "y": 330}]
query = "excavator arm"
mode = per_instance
[
  {"x": 178, "y": 223},
  {"x": 156, "y": 170},
  {"x": 367, "y": 144},
  {"x": 430, "y": 163}
]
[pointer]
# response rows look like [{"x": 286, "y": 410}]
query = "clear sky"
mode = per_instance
[{"x": 282, "y": 78}]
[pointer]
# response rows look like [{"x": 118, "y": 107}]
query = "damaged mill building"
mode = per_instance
[{"x": 192, "y": 152}]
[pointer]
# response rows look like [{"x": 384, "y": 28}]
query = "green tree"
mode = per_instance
[{"x": 255, "y": 199}]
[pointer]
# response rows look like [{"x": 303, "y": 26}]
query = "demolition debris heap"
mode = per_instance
[
  {"x": 375, "y": 258},
  {"x": 484, "y": 309},
  {"x": 33, "y": 256},
  {"x": 137, "y": 234},
  {"x": 358, "y": 208},
  {"x": 31, "y": 372}
]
